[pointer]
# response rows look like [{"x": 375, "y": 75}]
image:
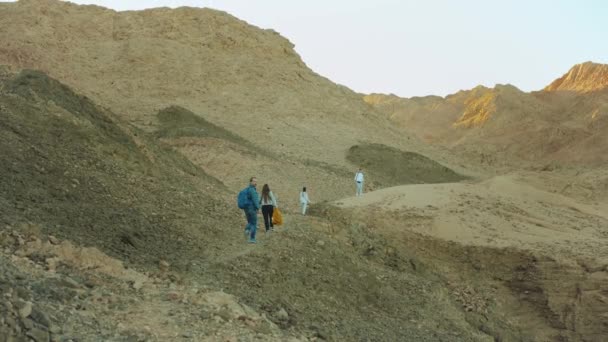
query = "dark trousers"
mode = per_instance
[{"x": 267, "y": 214}]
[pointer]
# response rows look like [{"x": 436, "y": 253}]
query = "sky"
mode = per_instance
[{"x": 431, "y": 47}]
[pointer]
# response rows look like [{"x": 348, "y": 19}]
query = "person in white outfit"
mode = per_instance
[
  {"x": 359, "y": 182},
  {"x": 304, "y": 201}
]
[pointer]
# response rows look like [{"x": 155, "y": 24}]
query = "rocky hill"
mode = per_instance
[
  {"x": 244, "y": 79},
  {"x": 238, "y": 76},
  {"x": 107, "y": 233},
  {"x": 73, "y": 167}
]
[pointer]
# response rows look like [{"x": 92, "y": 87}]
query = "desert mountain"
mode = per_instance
[
  {"x": 238, "y": 76},
  {"x": 244, "y": 79},
  {"x": 582, "y": 78},
  {"x": 504, "y": 121}
]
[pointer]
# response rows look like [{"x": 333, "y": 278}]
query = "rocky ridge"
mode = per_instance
[
  {"x": 582, "y": 78},
  {"x": 564, "y": 123}
]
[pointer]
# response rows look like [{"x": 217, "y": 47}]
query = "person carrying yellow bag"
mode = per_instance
[{"x": 269, "y": 205}]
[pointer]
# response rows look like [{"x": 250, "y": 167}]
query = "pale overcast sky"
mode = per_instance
[{"x": 413, "y": 48}]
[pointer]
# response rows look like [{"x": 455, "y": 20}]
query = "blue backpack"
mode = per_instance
[{"x": 243, "y": 200}]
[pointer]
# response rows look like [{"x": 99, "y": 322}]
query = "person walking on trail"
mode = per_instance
[
  {"x": 268, "y": 202},
  {"x": 304, "y": 201},
  {"x": 249, "y": 201},
  {"x": 359, "y": 182}
]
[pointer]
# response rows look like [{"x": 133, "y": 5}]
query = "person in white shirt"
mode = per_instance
[
  {"x": 304, "y": 201},
  {"x": 359, "y": 182},
  {"x": 267, "y": 202}
]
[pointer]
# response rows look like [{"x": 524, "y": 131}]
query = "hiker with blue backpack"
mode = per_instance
[{"x": 249, "y": 200}]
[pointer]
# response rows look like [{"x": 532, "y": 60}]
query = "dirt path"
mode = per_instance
[{"x": 499, "y": 212}]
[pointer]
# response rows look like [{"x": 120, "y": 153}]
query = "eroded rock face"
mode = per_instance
[{"x": 584, "y": 77}]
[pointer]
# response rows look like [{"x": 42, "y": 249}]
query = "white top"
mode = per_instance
[
  {"x": 304, "y": 197},
  {"x": 359, "y": 177},
  {"x": 271, "y": 200}
]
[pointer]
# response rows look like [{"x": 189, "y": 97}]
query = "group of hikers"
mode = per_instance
[{"x": 251, "y": 202}]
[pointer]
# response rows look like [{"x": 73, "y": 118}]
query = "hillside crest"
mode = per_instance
[{"x": 582, "y": 78}]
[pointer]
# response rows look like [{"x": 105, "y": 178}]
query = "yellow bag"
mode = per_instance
[{"x": 277, "y": 218}]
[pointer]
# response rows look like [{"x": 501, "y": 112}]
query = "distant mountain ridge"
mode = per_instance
[{"x": 566, "y": 121}]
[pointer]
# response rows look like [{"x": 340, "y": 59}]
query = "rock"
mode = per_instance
[
  {"x": 92, "y": 282},
  {"x": 40, "y": 317},
  {"x": 173, "y": 296},
  {"x": 8, "y": 306},
  {"x": 321, "y": 243},
  {"x": 53, "y": 240},
  {"x": 282, "y": 315},
  {"x": 55, "y": 329},
  {"x": 137, "y": 284},
  {"x": 27, "y": 323},
  {"x": 163, "y": 265},
  {"x": 69, "y": 282},
  {"x": 24, "y": 308},
  {"x": 10, "y": 322},
  {"x": 205, "y": 314},
  {"x": 39, "y": 335},
  {"x": 51, "y": 263}
]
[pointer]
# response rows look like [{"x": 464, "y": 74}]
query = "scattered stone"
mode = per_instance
[
  {"x": 69, "y": 282},
  {"x": 163, "y": 265},
  {"x": 318, "y": 333},
  {"x": 55, "y": 329},
  {"x": 24, "y": 308},
  {"x": 205, "y": 314},
  {"x": 137, "y": 284},
  {"x": 27, "y": 323},
  {"x": 51, "y": 263},
  {"x": 10, "y": 322},
  {"x": 8, "y": 306},
  {"x": 53, "y": 240},
  {"x": 91, "y": 283},
  {"x": 39, "y": 335},
  {"x": 40, "y": 317},
  {"x": 282, "y": 315},
  {"x": 173, "y": 296}
]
